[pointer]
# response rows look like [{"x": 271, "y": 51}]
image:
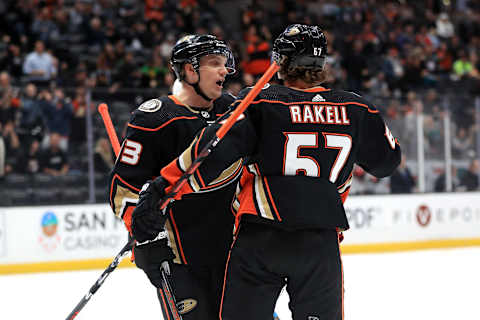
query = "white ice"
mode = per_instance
[{"x": 418, "y": 285}]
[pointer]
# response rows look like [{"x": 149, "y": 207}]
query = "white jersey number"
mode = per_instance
[
  {"x": 294, "y": 163},
  {"x": 131, "y": 152}
]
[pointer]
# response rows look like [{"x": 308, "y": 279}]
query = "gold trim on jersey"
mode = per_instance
[
  {"x": 260, "y": 195},
  {"x": 185, "y": 159},
  {"x": 172, "y": 242},
  {"x": 222, "y": 180},
  {"x": 227, "y": 173},
  {"x": 193, "y": 183},
  {"x": 122, "y": 196},
  {"x": 346, "y": 185}
]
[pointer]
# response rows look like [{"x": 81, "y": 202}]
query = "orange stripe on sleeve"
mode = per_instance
[
  {"x": 160, "y": 127},
  {"x": 345, "y": 195},
  {"x": 127, "y": 218}
]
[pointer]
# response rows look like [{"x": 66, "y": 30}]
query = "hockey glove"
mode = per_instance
[
  {"x": 147, "y": 219},
  {"x": 149, "y": 258}
]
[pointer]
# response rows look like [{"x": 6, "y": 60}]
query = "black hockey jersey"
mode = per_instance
[
  {"x": 199, "y": 228},
  {"x": 302, "y": 146}
]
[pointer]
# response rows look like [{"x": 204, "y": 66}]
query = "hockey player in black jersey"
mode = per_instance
[
  {"x": 302, "y": 141},
  {"x": 200, "y": 228}
]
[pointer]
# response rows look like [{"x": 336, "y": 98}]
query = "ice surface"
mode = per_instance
[{"x": 418, "y": 285}]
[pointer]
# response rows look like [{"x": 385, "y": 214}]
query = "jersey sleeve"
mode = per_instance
[
  {"x": 379, "y": 152},
  {"x": 139, "y": 160},
  {"x": 221, "y": 163}
]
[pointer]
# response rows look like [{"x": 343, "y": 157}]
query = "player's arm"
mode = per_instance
[
  {"x": 136, "y": 163},
  {"x": 379, "y": 151},
  {"x": 238, "y": 143}
]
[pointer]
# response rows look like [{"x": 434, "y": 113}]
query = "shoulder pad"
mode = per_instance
[
  {"x": 152, "y": 105},
  {"x": 246, "y": 90},
  {"x": 155, "y": 112},
  {"x": 354, "y": 97}
]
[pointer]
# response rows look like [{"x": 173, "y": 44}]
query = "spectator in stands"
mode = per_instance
[
  {"x": 95, "y": 35},
  {"x": 53, "y": 159},
  {"x": 12, "y": 61},
  {"x": 28, "y": 161},
  {"x": 43, "y": 26},
  {"x": 40, "y": 65},
  {"x": 439, "y": 184},
  {"x": 356, "y": 63},
  {"x": 154, "y": 10},
  {"x": 9, "y": 103},
  {"x": 32, "y": 125},
  {"x": 257, "y": 51},
  {"x": 3, "y": 154},
  {"x": 104, "y": 158},
  {"x": 165, "y": 48},
  {"x": 128, "y": 11},
  {"x": 462, "y": 67},
  {"x": 128, "y": 74},
  {"x": 79, "y": 15},
  {"x": 58, "y": 112},
  {"x": 79, "y": 104},
  {"x": 445, "y": 28},
  {"x": 402, "y": 181},
  {"x": 152, "y": 73},
  {"x": 462, "y": 143},
  {"x": 470, "y": 178}
]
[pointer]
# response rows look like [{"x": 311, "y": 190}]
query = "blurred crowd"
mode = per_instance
[{"x": 409, "y": 57}]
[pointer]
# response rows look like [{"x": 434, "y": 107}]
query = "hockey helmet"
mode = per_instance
[
  {"x": 191, "y": 48},
  {"x": 303, "y": 45}
]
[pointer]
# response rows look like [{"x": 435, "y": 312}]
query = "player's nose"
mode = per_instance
[{"x": 223, "y": 71}]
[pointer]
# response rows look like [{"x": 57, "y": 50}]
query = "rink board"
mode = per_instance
[{"x": 74, "y": 237}]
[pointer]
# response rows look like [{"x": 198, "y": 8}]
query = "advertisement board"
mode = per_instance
[
  {"x": 34, "y": 239},
  {"x": 57, "y": 233},
  {"x": 3, "y": 235},
  {"x": 413, "y": 217}
]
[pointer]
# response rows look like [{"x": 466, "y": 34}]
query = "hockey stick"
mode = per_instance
[
  {"x": 112, "y": 135},
  {"x": 221, "y": 132},
  {"x": 118, "y": 258},
  {"x": 168, "y": 305}
]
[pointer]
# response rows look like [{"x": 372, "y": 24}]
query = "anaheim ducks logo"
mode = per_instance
[
  {"x": 150, "y": 105},
  {"x": 186, "y": 38},
  {"x": 293, "y": 31},
  {"x": 186, "y": 305}
]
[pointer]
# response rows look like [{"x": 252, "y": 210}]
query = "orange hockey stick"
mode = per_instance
[
  {"x": 112, "y": 135},
  {"x": 168, "y": 305}
]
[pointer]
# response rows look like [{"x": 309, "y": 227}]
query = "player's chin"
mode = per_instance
[{"x": 216, "y": 92}]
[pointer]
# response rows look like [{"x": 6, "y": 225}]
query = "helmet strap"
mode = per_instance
[{"x": 197, "y": 88}]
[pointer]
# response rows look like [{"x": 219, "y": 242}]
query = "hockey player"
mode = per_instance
[
  {"x": 302, "y": 141},
  {"x": 199, "y": 228}
]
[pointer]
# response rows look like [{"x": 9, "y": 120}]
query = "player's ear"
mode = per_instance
[{"x": 190, "y": 73}]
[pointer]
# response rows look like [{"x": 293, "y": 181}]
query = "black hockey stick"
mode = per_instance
[
  {"x": 168, "y": 302},
  {"x": 116, "y": 261}
]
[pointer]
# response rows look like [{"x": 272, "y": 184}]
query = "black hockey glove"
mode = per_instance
[
  {"x": 149, "y": 258},
  {"x": 147, "y": 219}
]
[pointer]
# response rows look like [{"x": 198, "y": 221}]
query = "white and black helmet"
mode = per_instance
[{"x": 191, "y": 48}]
